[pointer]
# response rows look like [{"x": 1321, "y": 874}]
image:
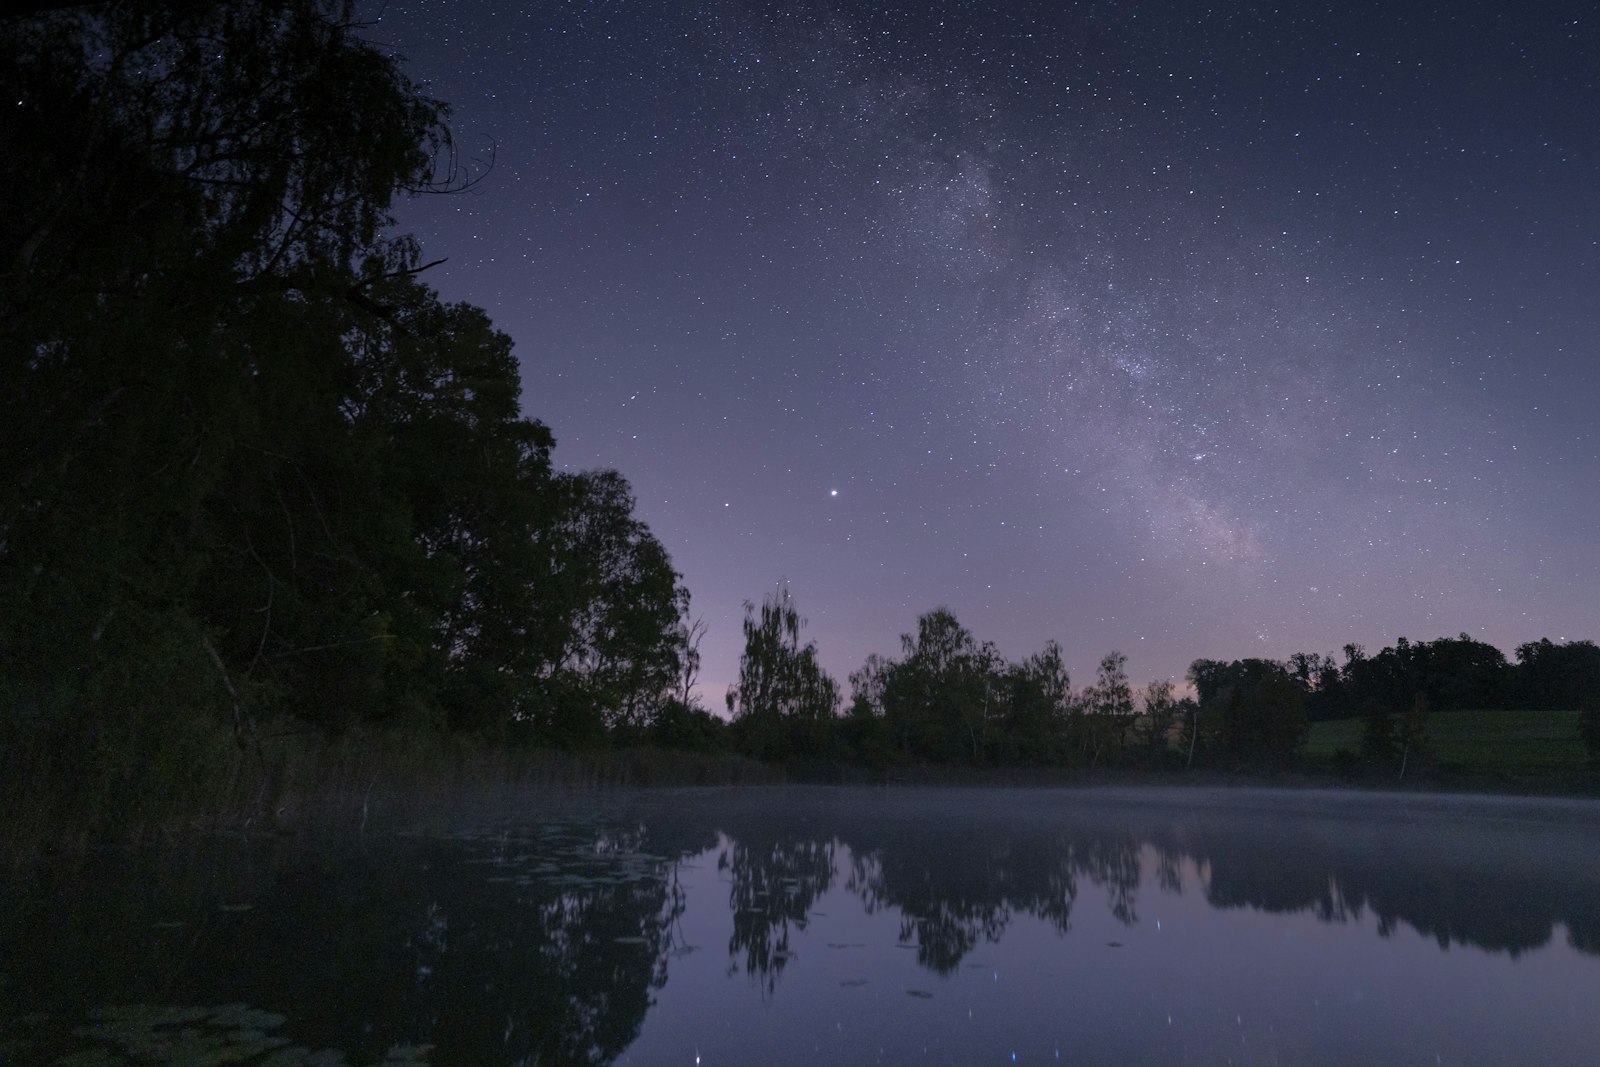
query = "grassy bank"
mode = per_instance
[
  {"x": 122, "y": 793},
  {"x": 78, "y": 789},
  {"x": 1512, "y": 751}
]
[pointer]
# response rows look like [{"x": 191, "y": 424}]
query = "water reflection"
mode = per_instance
[
  {"x": 1490, "y": 877},
  {"x": 1493, "y": 874},
  {"x": 548, "y": 939},
  {"x": 540, "y": 946},
  {"x": 776, "y": 881},
  {"x": 954, "y": 892}
]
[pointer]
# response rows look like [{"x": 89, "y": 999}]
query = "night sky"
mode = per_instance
[{"x": 1187, "y": 330}]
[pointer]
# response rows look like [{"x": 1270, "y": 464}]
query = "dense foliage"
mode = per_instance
[
  {"x": 249, "y": 463},
  {"x": 950, "y": 699},
  {"x": 784, "y": 700}
]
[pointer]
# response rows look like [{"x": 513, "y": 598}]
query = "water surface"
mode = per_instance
[{"x": 852, "y": 926}]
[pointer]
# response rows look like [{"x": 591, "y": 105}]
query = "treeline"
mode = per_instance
[
  {"x": 948, "y": 699},
  {"x": 1450, "y": 674},
  {"x": 251, "y": 467},
  {"x": 952, "y": 699}
]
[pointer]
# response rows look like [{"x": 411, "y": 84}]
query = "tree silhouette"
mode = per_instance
[
  {"x": 1161, "y": 709},
  {"x": 1589, "y": 730},
  {"x": 784, "y": 702},
  {"x": 1253, "y": 709},
  {"x": 249, "y": 463},
  {"x": 1551, "y": 675}
]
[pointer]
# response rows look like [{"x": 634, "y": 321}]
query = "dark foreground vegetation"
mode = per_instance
[
  {"x": 253, "y": 472},
  {"x": 273, "y": 523}
]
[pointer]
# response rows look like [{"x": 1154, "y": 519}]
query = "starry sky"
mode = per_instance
[{"x": 1182, "y": 329}]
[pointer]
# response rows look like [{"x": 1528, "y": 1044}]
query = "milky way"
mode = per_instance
[{"x": 1184, "y": 333}]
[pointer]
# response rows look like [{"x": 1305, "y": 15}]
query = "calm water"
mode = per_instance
[{"x": 851, "y": 926}]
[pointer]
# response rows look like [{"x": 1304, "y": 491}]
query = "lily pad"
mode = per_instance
[{"x": 146, "y": 1016}]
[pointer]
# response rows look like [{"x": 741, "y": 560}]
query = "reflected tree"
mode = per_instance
[
  {"x": 956, "y": 882},
  {"x": 550, "y": 946},
  {"x": 962, "y": 886},
  {"x": 494, "y": 948},
  {"x": 944, "y": 921},
  {"x": 774, "y": 885}
]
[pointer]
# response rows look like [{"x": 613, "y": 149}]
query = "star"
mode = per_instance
[{"x": 893, "y": 263}]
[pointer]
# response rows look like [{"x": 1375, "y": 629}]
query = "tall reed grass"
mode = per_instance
[{"x": 63, "y": 788}]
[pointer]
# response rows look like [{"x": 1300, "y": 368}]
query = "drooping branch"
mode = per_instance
[
  {"x": 243, "y": 724},
  {"x": 357, "y": 295}
]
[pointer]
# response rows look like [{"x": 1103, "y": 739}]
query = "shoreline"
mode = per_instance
[{"x": 295, "y": 782}]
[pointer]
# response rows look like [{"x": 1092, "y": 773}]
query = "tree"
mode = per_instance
[
  {"x": 610, "y": 613},
  {"x": 689, "y": 633},
  {"x": 942, "y": 699},
  {"x": 954, "y": 699},
  {"x": 193, "y": 526},
  {"x": 1275, "y": 711},
  {"x": 784, "y": 701},
  {"x": 867, "y": 685},
  {"x": 1161, "y": 712},
  {"x": 1256, "y": 706},
  {"x": 1037, "y": 706},
  {"x": 1550, "y": 675},
  {"x": 1318, "y": 677},
  {"x": 1378, "y": 732},
  {"x": 248, "y": 461},
  {"x": 865, "y": 731},
  {"x": 1354, "y": 656},
  {"x": 431, "y": 397},
  {"x": 689, "y": 727},
  {"x": 681, "y": 721},
  {"x": 196, "y": 199},
  {"x": 1589, "y": 729},
  {"x": 1189, "y": 735},
  {"x": 1413, "y": 739},
  {"x": 1108, "y": 709},
  {"x": 1452, "y": 673}
]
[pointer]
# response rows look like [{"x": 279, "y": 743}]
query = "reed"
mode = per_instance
[{"x": 66, "y": 789}]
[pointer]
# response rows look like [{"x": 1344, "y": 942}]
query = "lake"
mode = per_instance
[{"x": 807, "y": 925}]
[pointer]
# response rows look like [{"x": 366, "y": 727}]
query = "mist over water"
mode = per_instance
[{"x": 810, "y": 924}]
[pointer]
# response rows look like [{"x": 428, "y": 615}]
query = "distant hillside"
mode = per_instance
[{"x": 1530, "y": 749}]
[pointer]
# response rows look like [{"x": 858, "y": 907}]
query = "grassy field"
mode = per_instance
[{"x": 1524, "y": 748}]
